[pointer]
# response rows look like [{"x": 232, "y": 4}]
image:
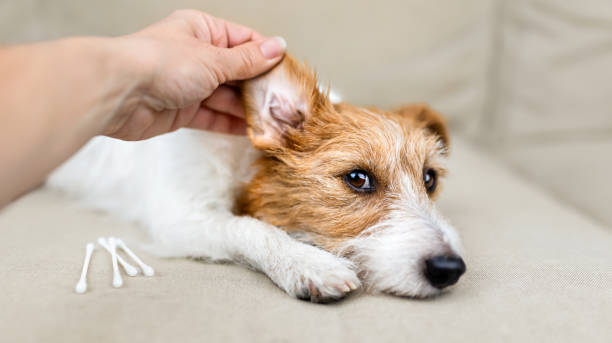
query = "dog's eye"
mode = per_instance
[
  {"x": 360, "y": 181},
  {"x": 430, "y": 180}
]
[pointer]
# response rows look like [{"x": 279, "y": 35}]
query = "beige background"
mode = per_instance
[
  {"x": 526, "y": 87},
  {"x": 383, "y": 55},
  {"x": 537, "y": 272},
  {"x": 515, "y": 76}
]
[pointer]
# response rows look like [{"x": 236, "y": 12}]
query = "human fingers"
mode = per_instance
[
  {"x": 207, "y": 119},
  {"x": 226, "y": 100},
  {"x": 247, "y": 60}
]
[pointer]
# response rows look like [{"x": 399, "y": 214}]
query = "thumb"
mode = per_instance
[{"x": 250, "y": 59}]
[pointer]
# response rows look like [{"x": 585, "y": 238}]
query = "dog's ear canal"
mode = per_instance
[
  {"x": 430, "y": 118},
  {"x": 279, "y": 103}
]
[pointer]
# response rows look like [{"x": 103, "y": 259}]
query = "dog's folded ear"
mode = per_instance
[
  {"x": 279, "y": 103},
  {"x": 431, "y": 119}
]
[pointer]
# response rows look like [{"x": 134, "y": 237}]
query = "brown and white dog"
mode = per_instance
[{"x": 323, "y": 199}]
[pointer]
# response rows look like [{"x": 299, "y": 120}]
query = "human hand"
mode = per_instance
[{"x": 179, "y": 71}]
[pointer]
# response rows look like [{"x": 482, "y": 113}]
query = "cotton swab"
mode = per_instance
[
  {"x": 81, "y": 286},
  {"x": 129, "y": 269},
  {"x": 117, "y": 280},
  {"x": 146, "y": 270}
]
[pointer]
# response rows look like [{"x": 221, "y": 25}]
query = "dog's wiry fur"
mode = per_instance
[{"x": 199, "y": 194}]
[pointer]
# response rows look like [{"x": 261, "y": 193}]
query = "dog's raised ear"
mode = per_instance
[
  {"x": 279, "y": 103},
  {"x": 431, "y": 120}
]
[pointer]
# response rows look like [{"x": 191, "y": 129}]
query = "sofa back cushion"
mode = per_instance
[
  {"x": 384, "y": 54},
  {"x": 555, "y": 69}
]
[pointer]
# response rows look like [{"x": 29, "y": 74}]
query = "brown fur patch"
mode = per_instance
[
  {"x": 299, "y": 185},
  {"x": 432, "y": 119}
]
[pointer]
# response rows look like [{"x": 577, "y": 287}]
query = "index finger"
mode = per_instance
[
  {"x": 226, "y": 34},
  {"x": 238, "y": 34}
]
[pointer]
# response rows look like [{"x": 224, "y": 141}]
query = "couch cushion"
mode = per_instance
[
  {"x": 555, "y": 67},
  {"x": 537, "y": 271},
  {"x": 575, "y": 170},
  {"x": 404, "y": 51}
]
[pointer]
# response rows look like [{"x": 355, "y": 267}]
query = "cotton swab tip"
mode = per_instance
[
  {"x": 147, "y": 270},
  {"x": 130, "y": 270},
  {"x": 117, "y": 282},
  {"x": 81, "y": 287}
]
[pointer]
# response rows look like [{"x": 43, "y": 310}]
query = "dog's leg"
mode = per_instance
[
  {"x": 302, "y": 270},
  {"x": 181, "y": 187}
]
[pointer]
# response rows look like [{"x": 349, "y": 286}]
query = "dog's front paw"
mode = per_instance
[{"x": 316, "y": 275}]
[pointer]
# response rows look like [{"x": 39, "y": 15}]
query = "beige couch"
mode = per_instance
[{"x": 526, "y": 87}]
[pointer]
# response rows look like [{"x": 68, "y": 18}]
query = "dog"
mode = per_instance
[{"x": 324, "y": 198}]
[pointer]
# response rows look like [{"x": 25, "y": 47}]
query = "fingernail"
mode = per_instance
[{"x": 273, "y": 47}]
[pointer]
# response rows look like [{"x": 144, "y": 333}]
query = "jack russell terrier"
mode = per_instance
[{"x": 323, "y": 198}]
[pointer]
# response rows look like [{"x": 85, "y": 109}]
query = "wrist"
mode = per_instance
[
  {"x": 123, "y": 79},
  {"x": 111, "y": 77}
]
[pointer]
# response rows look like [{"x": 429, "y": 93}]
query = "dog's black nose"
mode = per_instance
[{"x": 443, "y": 271}]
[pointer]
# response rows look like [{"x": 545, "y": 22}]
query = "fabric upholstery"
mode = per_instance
[
  {"x": 576, "y": 171},
  {"x": 405, "y": 51},
  {"x": 537, "y": 271},
  {"x": 534, "y": 214},
  {"x": 554, "y": 68}
]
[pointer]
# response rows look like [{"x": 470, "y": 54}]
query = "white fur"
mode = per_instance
[
  {"x": 332, "y": 94},
  {"x": 391, "y": 254},
  {"x": 181, "y": 187}
]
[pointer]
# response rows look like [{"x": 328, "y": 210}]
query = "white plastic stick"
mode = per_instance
[
  {"x": 81, "y": 286},
  {"x": 146, "y": 270},
  {"x": 129, "y": 269},
  {"x": 117, "y": 280}
]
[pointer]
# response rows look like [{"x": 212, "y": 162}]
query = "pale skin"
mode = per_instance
[{"x": 179, "y": 72}]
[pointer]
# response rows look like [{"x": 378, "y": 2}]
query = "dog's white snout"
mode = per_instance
[{"x": 411, "y": 254}]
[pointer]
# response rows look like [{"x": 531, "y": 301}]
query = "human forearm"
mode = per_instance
[{"x": 55, "y": 96}]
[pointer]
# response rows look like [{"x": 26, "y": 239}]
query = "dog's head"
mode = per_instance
[{"x": 359, "y": 182}]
